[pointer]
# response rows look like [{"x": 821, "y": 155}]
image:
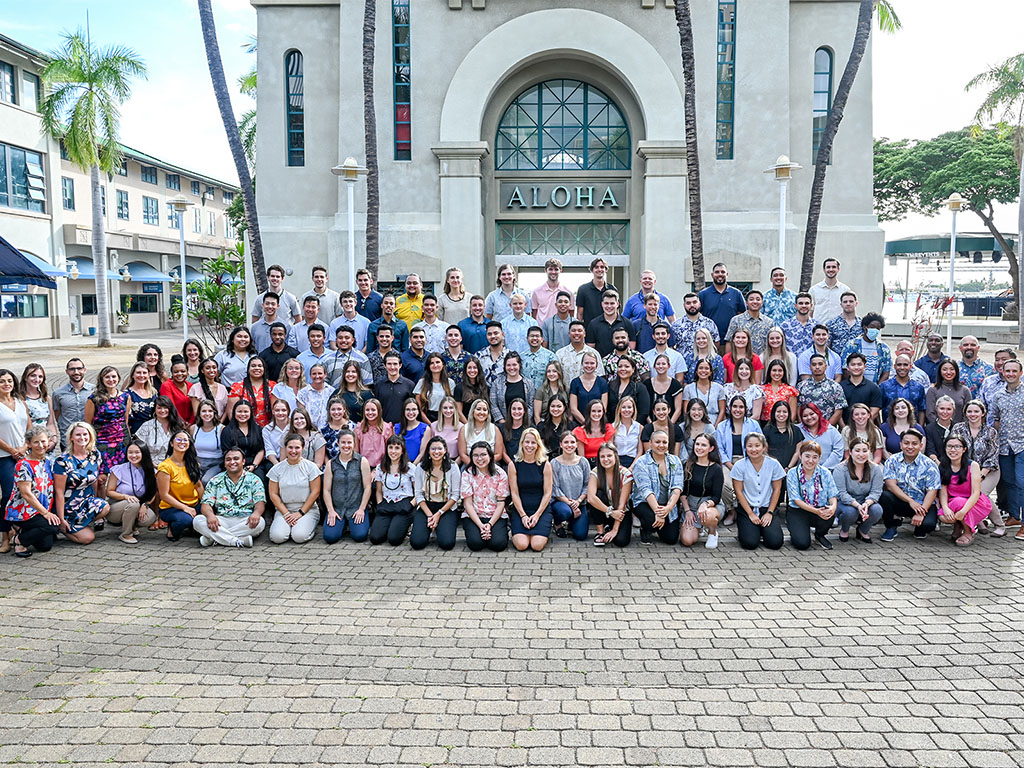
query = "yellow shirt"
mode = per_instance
[
  {"x": 182, "y": 487},
  {"x": 409, "y": 310}
]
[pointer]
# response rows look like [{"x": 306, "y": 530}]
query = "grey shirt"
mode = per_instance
[
  {"x": 69, "y": 407},
  {"x": 288, "y": 307},
  {"x": 569, "y": 480},
  {"x": 853, "y": 491}
]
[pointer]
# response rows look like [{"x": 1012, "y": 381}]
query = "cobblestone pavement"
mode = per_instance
[{"x": 872, "y": 655}]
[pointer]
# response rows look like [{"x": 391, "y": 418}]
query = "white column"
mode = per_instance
[
  {"x": 665, "y": 239},
  {"x": 463, "y": 234}
]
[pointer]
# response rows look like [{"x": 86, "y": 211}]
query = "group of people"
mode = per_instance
[{"x": 519, "y": 417}]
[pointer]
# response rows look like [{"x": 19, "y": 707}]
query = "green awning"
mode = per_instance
[{"x": 933, "y": 244}]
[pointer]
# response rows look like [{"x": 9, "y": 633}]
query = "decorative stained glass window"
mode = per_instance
[
  {"x": 402, "y": 81},
  {"x": 726, "y": 88},
  {"x": 562, "y": 125},
  {"x": 573, "y": 238},
  {"x": 822, "y": 95},
  {"x": 296, "y": 116}
]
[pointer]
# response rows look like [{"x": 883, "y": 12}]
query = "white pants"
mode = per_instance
[
  {"x": 230, "y": 531},
  {"x": 300, "y": 533}
]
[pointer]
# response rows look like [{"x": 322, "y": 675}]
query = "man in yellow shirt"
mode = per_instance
[{"x": 409, "y": 306}]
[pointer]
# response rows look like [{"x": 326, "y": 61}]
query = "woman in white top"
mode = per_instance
[
  {"x": 208, "y": 388},
  {"x": 314, "y": 446},
  {"x": 293, "y": 380},
  {"x": 395, "y": 492},
  {"x": 776, "y": 350},
  {"x": 294, "y": 489},
  {"x": 38, "y": 403},
  {"x": 627, "y": 431},
  {"x": 742, "y": 384},
  {"x": 275, "y": 431},
  {"x": 480, "y": 428},
  {"x": 13, "y": 425},
  {"x": 206, "y": 437},
  {"x": 156, "y": 433},
  {"x": 436, "y": 480},
  {"x": 453, "y": 303}
]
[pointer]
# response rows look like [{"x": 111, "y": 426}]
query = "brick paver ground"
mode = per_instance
[{"x": 906, "y": 654}]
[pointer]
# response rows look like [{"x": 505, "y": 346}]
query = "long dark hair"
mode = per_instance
[
  {"x": 250, "y": 394},
  {"x": 207, "y": 394},
  {"x": 506, "y": 427},
  {"x": 768, "y": 371},
  {"x": 403, "y": 462},
  {"x": 427, "y": 464},
  {"x": 472, "y": 390},
  {"x": 198, "y": 345},
  {"x": 714, "y": 455},
  {"x": 99, "y": 395},
  {"x": 490, "y": 456},
  {"x": 148, "y": 473},
  {"x": 615, "y": 490},
  {"x": 547, "y": 430},
  {"x": 940, "y": 382},
  {"x": 590, "y": 420},
  {"x": 790, "y": 429},
  {"x": 850, "y": 466},
  {"x": 140, "y": 356},
  {"x": 191, "y": 459},
  {"x": 403, "y": 428},
  {"x": 946, "y": 466},
  {"x": 230, "y": 348},
  {"x": 174, "y": 422},
  {"x": 732, "y": 419}
]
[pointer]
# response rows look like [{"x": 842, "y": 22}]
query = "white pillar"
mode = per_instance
[
  {"x": 463, "y": 235},
  {"x": 665, "y": 237}
]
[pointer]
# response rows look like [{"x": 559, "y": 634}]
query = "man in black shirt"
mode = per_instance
[
  {"x": 600, "y": 329},
  {"x": 393, "y": 390},
  {"x": 589, "y": 295},
  {"x": 860, "y": 390},
  {"x": 279, "y": 352}
]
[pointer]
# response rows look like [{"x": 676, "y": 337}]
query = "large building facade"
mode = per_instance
[
  {"x": 515, "y": 131},
  {"x": 46, "y": 213}
]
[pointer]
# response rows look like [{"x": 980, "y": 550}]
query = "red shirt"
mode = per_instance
[
  {"x": 180, "y": 399},
  {"x": 590, "y": 443},
  {"x": 729, "y": 367}
]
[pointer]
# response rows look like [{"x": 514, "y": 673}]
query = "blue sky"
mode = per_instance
[{"x": 172, "y": 115}]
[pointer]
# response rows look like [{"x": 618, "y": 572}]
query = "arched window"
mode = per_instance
[
  {"x": 822, "y": 95},
  {"x": 562, "y": 125},
  {"x": 295, "y": 115}
]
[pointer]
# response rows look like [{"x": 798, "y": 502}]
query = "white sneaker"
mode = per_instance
[
  {"x": 246, "y": 542},
  {"x": 205, "y": 541},
  {"x": 712, "y": 542}
]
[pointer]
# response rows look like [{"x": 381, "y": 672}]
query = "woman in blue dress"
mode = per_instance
[
  {"x": 75, "y": 474},
  {"x": 530, "y": 481},
  {"x": 413, "y": 431}
]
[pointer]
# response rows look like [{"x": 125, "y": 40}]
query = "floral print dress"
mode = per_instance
[
  {"x": 80, "y": 503},
  {"x": 111, "y": 430},
  {"x": 40, "y": 474}
]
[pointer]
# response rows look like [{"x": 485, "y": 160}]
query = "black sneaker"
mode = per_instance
[
  {"x": 99, "y": 525},
  {"x": 645, "y": 537},
  {"x": 823, "y": 542},
  {"x": 562, "y": 530}
]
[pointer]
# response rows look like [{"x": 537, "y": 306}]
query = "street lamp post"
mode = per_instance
[
  {"x": 783, "y": 170},
  {"x": 955, "y": 204},
  {"x": 350, "y": 171},
  {"x": 180, "y": 204}
]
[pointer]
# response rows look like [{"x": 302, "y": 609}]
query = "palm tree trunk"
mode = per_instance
[
  {"x": 99, "y": 260},
  {"x": 690, "y": 130},
  {"x": 370, "y": 139},
  {"x": 860, "y": 46},
  {"x": 227, "y": 115}
]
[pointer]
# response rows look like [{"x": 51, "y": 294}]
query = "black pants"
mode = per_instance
[
  {"x": 625, "y": 527},
  {"x": 800, "y": 522},
  {"x": 445, "y": 531},
  {"x": 668, "y": 533},
  {"x": 391, "y": 523},
  {"x": 499, "y": 535},
  {"x": 894, "y": 510},
  {"x": 36, "y": 532},
  {"x": 752, "y": 535}
]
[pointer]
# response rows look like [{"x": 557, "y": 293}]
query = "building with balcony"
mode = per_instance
[{"x": 46, "y": 213}]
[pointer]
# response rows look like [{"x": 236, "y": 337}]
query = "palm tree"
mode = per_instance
[
  {"x": 888, "y": 21},
  {"x": 690, "y": 128},
  {"x": 370, "y": 139},
  {"x": 227, "y": 115},
  {"x": 85, "y": 88},
  {"x": 247, "y": 125},
  {"x": 1006, "y": 98}
]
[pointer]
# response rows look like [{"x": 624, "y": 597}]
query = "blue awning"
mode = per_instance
[
  {"x": 15, "y": 267},
  {"x": 44, "y": 266},
  {"x": 86, "y": 271},
  {"x": 192, "y": 274},
  {"x": 142, "y": 272}
]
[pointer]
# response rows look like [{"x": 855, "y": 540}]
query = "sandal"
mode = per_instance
[
  {"x": 998, "y": 532},
  {"x": 16, "y": 542},
  {"x": 159, "y": 525},
  {"x": 599, "y": 540},
  {"x": 128, "y": 538},
  {"x": 966, "y": 539}
]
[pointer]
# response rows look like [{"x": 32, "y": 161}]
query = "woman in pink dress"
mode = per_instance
[{"x": 961, "y": 502}]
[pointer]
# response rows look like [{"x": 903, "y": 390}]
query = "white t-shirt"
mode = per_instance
[
  {"x": 757, "y": 486},
  {"x": 293, "y": 481}
]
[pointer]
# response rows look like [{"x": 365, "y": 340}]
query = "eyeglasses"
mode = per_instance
[
  {"x": 75, "y": 369},
  {"x": 181, "y": 439}
]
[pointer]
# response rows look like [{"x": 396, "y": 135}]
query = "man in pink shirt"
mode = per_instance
[{"x": 542, "y": 305}]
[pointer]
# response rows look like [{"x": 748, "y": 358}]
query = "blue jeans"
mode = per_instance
[
  {"x": 7, "y": 465},
  {"x": 580, "y": 526},
  {"x": 849, "y": 515},
  {"x": 358, "y": 531},
  {"x": 1011, "y": 467},
  {"x": 178, "y": 520}
]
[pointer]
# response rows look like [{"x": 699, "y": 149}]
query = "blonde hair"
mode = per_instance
[
  {"x": 283, "y": 377},
  {"x": 618, "y": 411},
  {"x": 440, "y": 415},
  {"x": 542, "y": 453},
  {"x": 88, "y": 428}
]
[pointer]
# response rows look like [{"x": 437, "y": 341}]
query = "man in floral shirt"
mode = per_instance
[
  {"x": 824, "y": 392},
  {"x": 620, "y": 349},
  {"x": 536, "y": 358},
  {"x": 232, "y": 505},
  {"x": 753, "y": 322},
  {"x": 799, "y": 329},
  {"x": 844, "y": 327},
  {"x": 911, "y": 484},
  {"x": 779, "y": 302},
  {"x": 686, "y": 327},
  {"x": 973, "y": 370}
]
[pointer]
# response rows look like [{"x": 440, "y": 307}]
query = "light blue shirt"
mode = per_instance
[
  {"x": 757, "y": 486},
  {"x": 805, "y": 491},
  {"x": 359, "y": 324},
  {"x": 832, "y": 446},
  {"x": 309, "y": 359},
  {"x": 915, "y": 478},
  {"x": 515, "y": 332}
]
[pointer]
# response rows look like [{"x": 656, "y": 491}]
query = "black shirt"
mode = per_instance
[
  {"x": 251, "y": 444},
  {"x": 782, "y": 446},
  {"x": 599, "y": 333},
  {"x": 514, "y": 389},
  {"x": 705, "y": 482},
  {"x": 392, "y": 396},
  {"x": 867, "y": 392},
  {"x": 274, "y": 361},
  {"x": 638, "y": 392},
  {"x": 589, "y": 299}
]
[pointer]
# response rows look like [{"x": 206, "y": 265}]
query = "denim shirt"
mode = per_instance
[{"x": 646, "y": 480}]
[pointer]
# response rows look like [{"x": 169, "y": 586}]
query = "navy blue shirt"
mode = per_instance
[
  {"x": 474, "y": 335},
  {"x": 721, "y": 307},
  {"x": 931, "y": 368},
  {"x": 370, "y": 306},
  {"x": 412, "y": 366}
]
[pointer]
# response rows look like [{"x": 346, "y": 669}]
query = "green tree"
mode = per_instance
[
  {"x": 686, "y": 49},
  {"x": 1005, "y": 102},
  {"x": 227, "y": 116},
  {"x": 919, "y": 177},
  {"x": 216, "y": 303},
  {"x": 888, "y": 21},
  {"x": 84, "y": 90},
  {"x": 247, "y": 124}
]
